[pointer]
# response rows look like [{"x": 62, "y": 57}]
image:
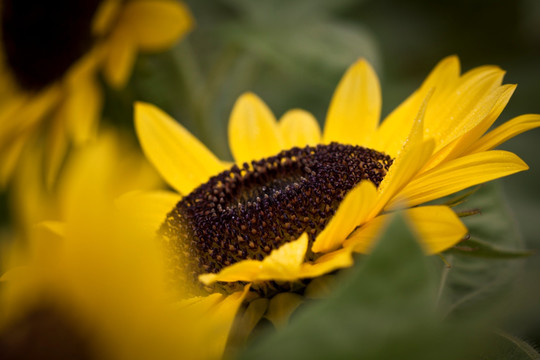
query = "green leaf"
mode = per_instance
[
  {"x": 475, "y": 283},
  {"x": 479, "y": 248},
  {"x": 384, "y": 309}
]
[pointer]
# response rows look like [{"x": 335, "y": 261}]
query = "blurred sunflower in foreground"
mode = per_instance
[
  {"x": 298, "y": 203},
  {"x": 90, "y": 284},
  {"x": 50, "y": 59}
]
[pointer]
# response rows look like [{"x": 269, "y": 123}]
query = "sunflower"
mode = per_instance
[
  {"x": 298, "y": 202},
  {"x": 50, "y": 58},
  {"x": 90, "y": 284}
]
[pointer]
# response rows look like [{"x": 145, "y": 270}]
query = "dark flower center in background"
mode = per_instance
[
  {"x": 42, "y": 39},
  {"x": 45, "y": 332},
  {"x": 245, "y": 213}
]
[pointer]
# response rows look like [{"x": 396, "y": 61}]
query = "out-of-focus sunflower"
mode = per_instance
[
  {"x": 50, "y": 58},
  {"x": 91, "y": 285},
  {"x": 298, "y": 203}
]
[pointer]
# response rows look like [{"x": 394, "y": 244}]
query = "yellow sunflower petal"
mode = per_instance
[
  {"x": 505, "y": 132},
  {"x": 282, "y": 264},
  {"x": 156, "y": 25},
  {"x": 327, "y": 263},
  {"x": 299, "y": 128},
  {"x": 460, "y": 174},
  {"x": 438, "y": 228},
  {"x": 400, "y": 173},
  {"x": 217, "y": 330},
  {"x": 253, "y": 131},
  {"x": 9, "y": 156},
  {"x": 469, "y": 103},
  {"x": 83, "y": 107},
  {"x": 355, "y": 107},
  {"x": 352, "y": 212},
  {"x": 394, "y": 130},
  {"x": 105, "y": 15},
  {"x": 149, "y": 208},
  {"x": 57, "y": 145},
  {"x": 462, "y": 143},
  {"x": 120, "y": 58},
  {"x": 182, "y": 160}
]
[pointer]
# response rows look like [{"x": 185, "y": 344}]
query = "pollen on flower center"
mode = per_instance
[{"x": 245, "y": 213}]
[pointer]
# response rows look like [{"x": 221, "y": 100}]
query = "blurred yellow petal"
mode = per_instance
[
  {"x": 57, "y": 145},
  {"x": 217, "y": 326},
  {"x": 253, "y": 131},
  {"x": 460, "y": 174},
  {"x": 84, "y": 103},
  {"x": 105, "y": 16},
  {"x": 438, "y": 227},
  {"x": 505, "y": 132},
  {"x": 282, "y": 264},
  {"x": 281, "y": 308},
  {"x": 355, "y": 107},
  {"x": 148, "y": 208},
  {"x": 9, "y": 157},
  {"x": 299, "y": 128},
  {"x": 182, "y": 160},
  {"x": 156, "y": 25},
  {"x": 25, "y": 111},
  {"x": 352, "y": 212},
  {"x": 121, "y": 55}
]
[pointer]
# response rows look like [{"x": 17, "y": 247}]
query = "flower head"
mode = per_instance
[
  {"x": 50, "y": 58},
  {"x": 299, "y": 202},
  {"x": 90, "y": 284}
]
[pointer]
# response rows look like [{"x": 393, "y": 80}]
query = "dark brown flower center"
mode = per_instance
[
  {"x": 245, "y": 213},
  {"x": 42, "y": 39}
]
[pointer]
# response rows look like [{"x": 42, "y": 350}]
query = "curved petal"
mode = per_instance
[
  {"x": 283, "y": 264},
  {"x": 299, "y": 128},
  {"x": 327, "y": 263},
  {"x": 395, "y": 128},
  {"x": 352, "y": 212},
  {"x": 466, "y": 105},
  {"x": 156, "y": 25},
  {"x": 84, "y": 102},
  {"x": 401, "y": 172},
  {"x": 56, "y": 148},
  {"x": 121, "y": 55},
  {"x": 460, "y": 145},
  {"x": 460, "y": 174},
  {"x": 219, "y": 323},
  {"x": 182, "y": 160},
  {"x": 355, "y": 107},
  {"x": 253, "y": 131},
  {"x": 438, "y": 228},
  {"x": 505, "y": 132},
  {"x": 9, "y": 156}
]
